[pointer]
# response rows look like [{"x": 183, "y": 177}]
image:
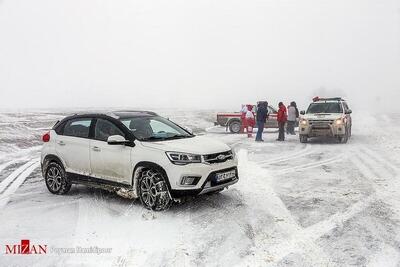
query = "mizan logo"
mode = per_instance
[{"x": 26, "y": 248}]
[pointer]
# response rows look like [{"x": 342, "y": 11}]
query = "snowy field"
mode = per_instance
[{"x": 315, "y": 204}]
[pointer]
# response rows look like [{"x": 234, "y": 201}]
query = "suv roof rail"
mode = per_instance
[
  {"x": 328, "y": 99},
  {"x": 135, "y": 111}
]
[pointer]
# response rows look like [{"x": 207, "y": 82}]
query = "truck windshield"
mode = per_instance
[
  {"x": 325, "y": 107},
  {"x": 154, "y": 128}
]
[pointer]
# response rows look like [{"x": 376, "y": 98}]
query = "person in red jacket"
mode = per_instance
[{"x": 282, "y": 118}]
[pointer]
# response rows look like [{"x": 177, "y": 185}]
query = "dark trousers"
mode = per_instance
[
  {"x": 281, "y": 131},
  {"x": 290, "y": 127},
  {"x": 260, "y": 129}
]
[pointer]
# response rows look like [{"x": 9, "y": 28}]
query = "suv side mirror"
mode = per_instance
[
  {"x": 117, "y": 140},
  {"x": 302, "y": 112},
  {"x": 349, "y": 111}
]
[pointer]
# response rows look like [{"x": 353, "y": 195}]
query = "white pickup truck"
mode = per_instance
[{"x": 326, "y": 117}]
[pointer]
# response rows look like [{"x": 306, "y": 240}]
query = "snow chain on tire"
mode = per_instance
[{"x": 153, "y": 190}]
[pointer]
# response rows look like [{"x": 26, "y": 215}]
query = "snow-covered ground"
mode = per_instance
[{"x": 316, "y": 204}]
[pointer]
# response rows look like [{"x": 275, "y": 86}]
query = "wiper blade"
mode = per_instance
[
  {"x": 177, "y": 136},
  {"x": 160, "y": 138},
  {"x": 153, "y": 138}
]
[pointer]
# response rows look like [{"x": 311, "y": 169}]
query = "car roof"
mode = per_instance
[
  {"x": 118, "y": 114},
  {"x": 329, "y": 101}
]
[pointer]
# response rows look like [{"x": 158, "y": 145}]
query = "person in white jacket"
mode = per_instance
[
  {"x": 293, "y": 114},
  {"x": 250, "y": 121}
]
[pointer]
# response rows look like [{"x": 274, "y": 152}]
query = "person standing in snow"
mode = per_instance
[
  {"x": 282, "y": 118},
  {"x": 250, "y": 121},
  {"x": 293, "y": 114},
  {"x": 243, "y": 112},
  {"x": 262, "y": 115}
]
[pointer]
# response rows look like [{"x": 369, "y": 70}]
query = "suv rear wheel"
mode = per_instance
[
  {"x": 56, "y": 179},
  {"x": 153, "y": 190}
]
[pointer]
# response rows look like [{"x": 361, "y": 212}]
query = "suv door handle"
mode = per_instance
[
  {"x": 61, "y": 143},
  {"x": 96, "y": 148}
]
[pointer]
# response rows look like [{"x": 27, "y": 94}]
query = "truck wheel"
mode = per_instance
[
  {"x": 235, "y": 126},
  {"x": 56, "y": 179},
  {"x": 153, "y": 190},
  {"x": 303, "y": 139}
]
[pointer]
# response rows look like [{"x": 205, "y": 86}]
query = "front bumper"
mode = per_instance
[
  {"x": 206, "y": 184},
  {"x": 327, "y": 130}
]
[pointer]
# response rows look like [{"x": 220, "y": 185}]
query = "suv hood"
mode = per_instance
[
  {"x": 195, "y": 145},
  {"x": 325, "y": 116}
]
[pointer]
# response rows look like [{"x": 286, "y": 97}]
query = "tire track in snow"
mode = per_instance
[
  {"x": 302, "y": 152},
  {"x": 309, "y": 165},
  {"x": 5, "y": 197},
  {"x": 277, "y": 208},
  {"x": 381, "y": 159},
  {"x": 303, "y": 240},
  {"x": 21, "y": 154},
  {"x": 386, "y": 190},
  {"x": 7, "y": 181},
  {"x": 5, "y": 165},
  {"x": 379, "y": 170}
]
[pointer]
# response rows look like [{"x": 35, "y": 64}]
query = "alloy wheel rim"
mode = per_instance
[
  {"x": 54, "y": 178},
  {"x": 148, "y": 190}
]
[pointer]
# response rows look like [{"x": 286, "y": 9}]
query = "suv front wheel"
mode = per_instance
[
  {"x": 56, "y": 179},
  {"x": 345, "y": 138},
  {"x": 303, "y": 138},
  {"x": 153, "y": 190}
]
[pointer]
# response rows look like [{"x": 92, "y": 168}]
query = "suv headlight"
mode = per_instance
[
  {"x": 179, "y": 158},
  {"x": 303, "y": 121},
  {"x": 339, "y": 121}
]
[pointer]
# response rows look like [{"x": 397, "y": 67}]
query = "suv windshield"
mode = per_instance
[
  {"x": 325, "y": 107},
  {"x": 154, "y": 128}
]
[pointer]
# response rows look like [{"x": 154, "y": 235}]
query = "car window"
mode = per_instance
[
  {"x": 154, "y": 128},
  {"x": 325, "y": 107},
  {"x": 104, "y": 129},
  {"x": 78, "y": 128}
]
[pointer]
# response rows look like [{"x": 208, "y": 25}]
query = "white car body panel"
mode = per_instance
[
  {"x": 75, "y": 153},
  {"x": 110, "y": 162},
  {"x": 195, "y": 145}
]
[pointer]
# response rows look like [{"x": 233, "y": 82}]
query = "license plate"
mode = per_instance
[{"x": 219, "y": 177}]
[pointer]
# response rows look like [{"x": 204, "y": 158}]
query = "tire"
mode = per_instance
[
  {"x": 153, "y": 190},
  {"x": 303, "y": 139},
  {"x": 345, "y": 138},
  {"x": 56, "y": 179},
  {"x": 235, "y": 126}
]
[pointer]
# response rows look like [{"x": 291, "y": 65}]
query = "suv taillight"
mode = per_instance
[{"x": 46, "y": 137}]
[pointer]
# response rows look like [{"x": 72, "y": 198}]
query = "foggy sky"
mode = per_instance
[{"x": 197, "y": 54}]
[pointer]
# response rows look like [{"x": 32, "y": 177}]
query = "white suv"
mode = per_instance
[
  {"x": 326, "y": 117},
  {"x": 136, "y": 154}
]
